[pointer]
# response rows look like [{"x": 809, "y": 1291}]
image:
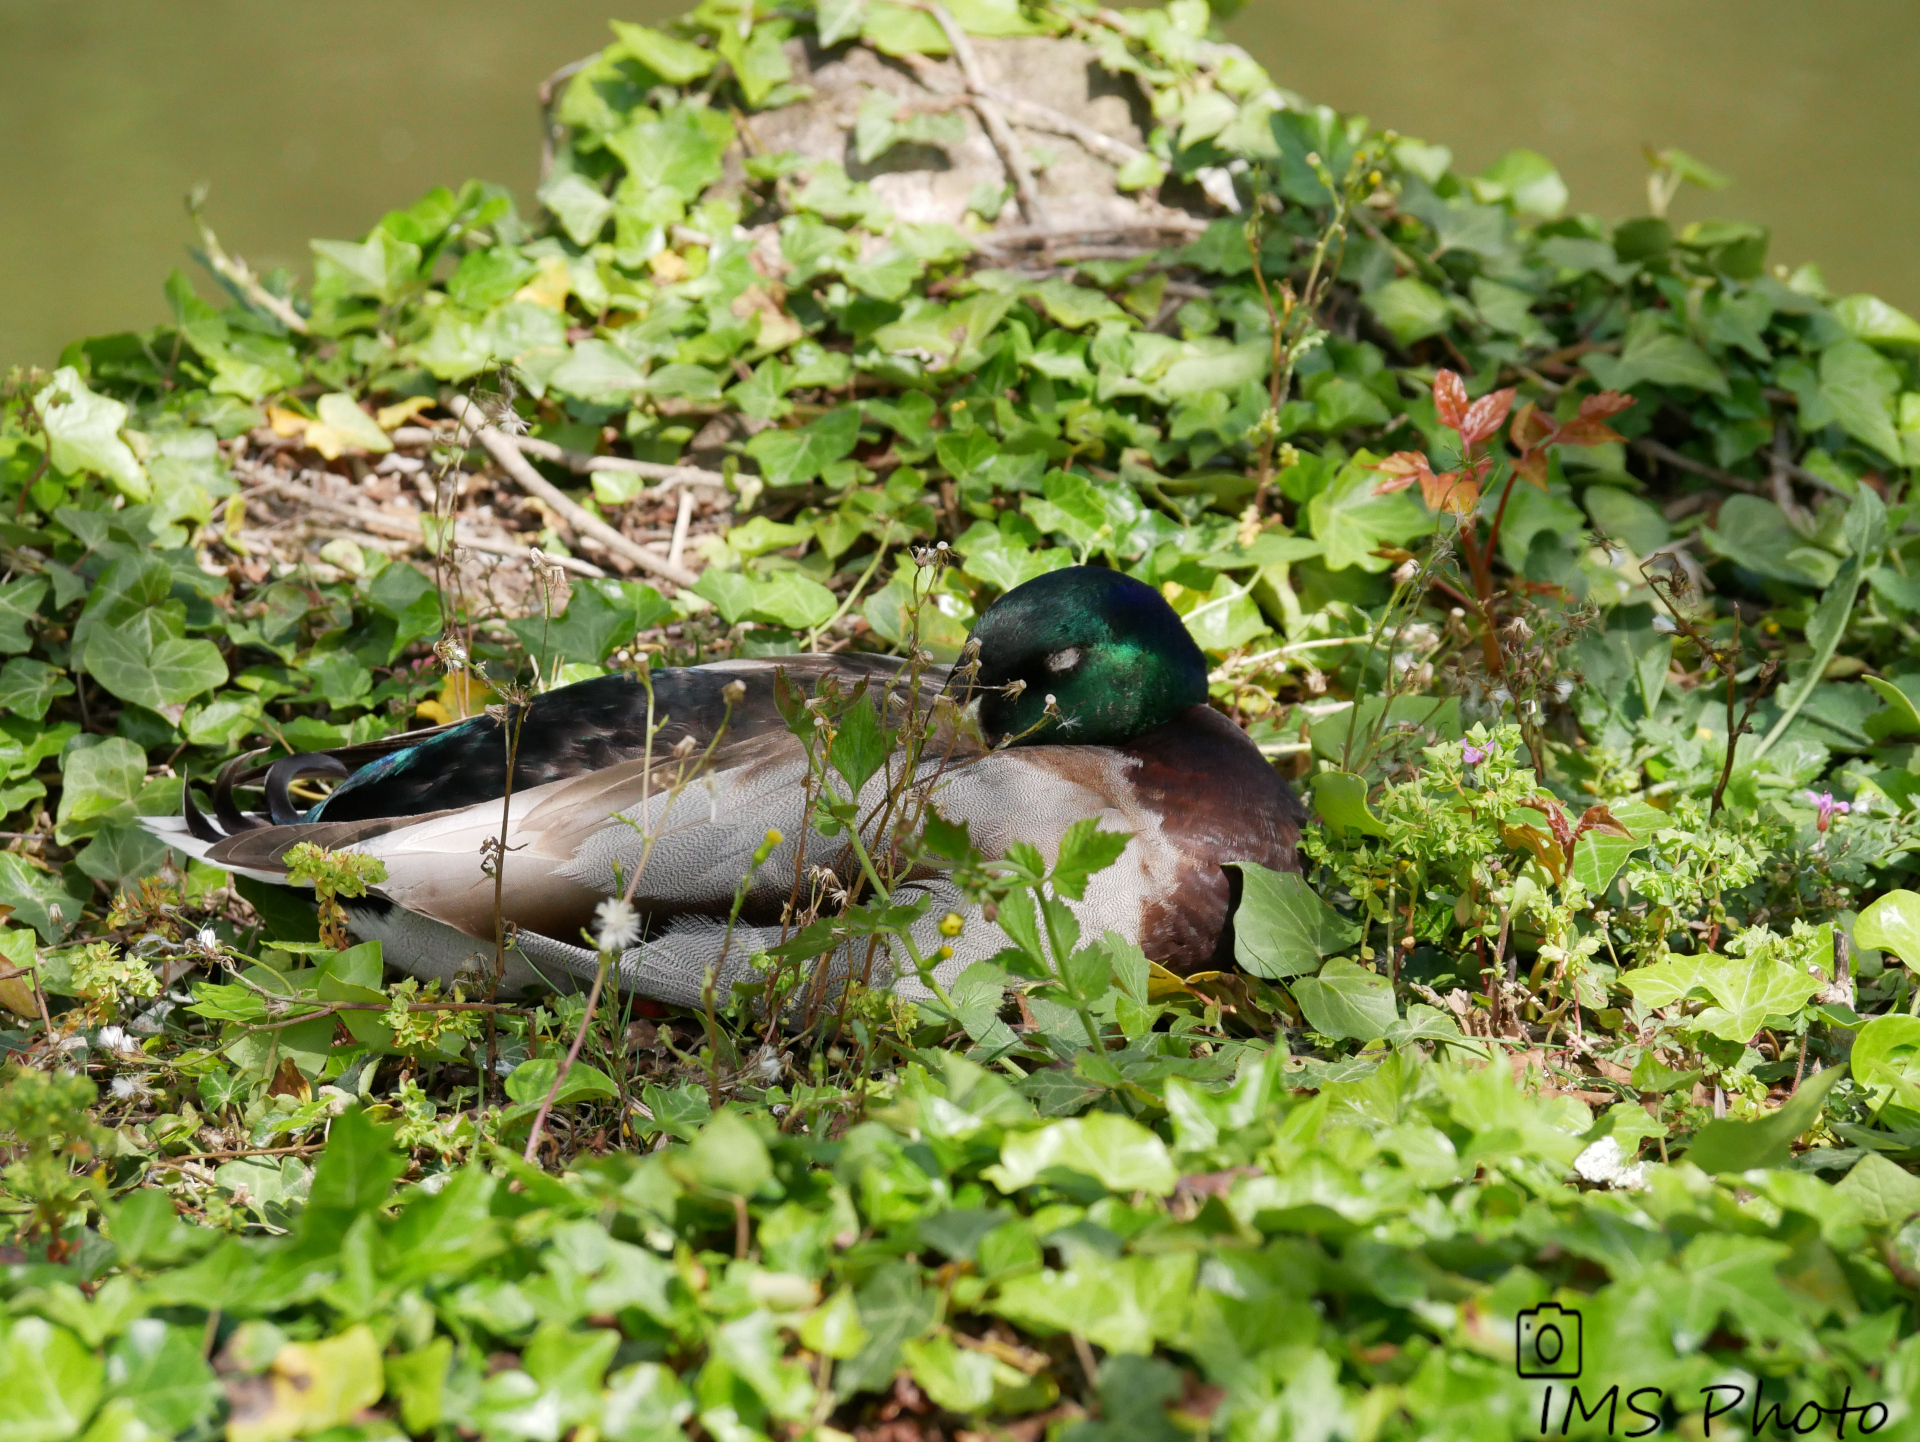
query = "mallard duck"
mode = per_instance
[{"x": 1089, "y": 700}]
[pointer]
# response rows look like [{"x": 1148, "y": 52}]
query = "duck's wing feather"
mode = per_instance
[{"x": 576, "y": 730}]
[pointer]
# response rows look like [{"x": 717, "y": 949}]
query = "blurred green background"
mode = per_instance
[{"x": 312, "y": 119}]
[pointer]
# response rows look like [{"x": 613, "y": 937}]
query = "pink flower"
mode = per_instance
[
  {"x": 1823, "y": 802},
  {"x": 1473, "y": 755}
]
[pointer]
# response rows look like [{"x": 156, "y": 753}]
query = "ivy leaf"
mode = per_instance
[
  {"x": 1651, "y": 352},
  {"x": 28, "y": 687},
  {"x": 1748, "y": 993},
  {"x": 1351, "y": 521},
  {"x": 159, "y": 1371},
  {"x": 19, "y": 604},
  {"x": 1116, "y": 1151},
  {"x": 1598, "y": 855},
  {"x": 34, "y": 891},
  {"x": 889, "y": 275},
  {"x": 794, "y": 457},
  {"x": 408, "y": 598},
  {"x": 601, "y": 616},
  {"x": 790, "y": 599},
  {"x": 759, "y": 58},
  {"x": 1666, "y": 982},
  {"x": 359, "y": 1167},
  {"x": 1411, "y": 309},
  {"x": 146, "y": 660},
  {"x": 1282, "y": 928},
  {"x": 1341, "y": 799},
  {"x": 679, "y": 153},
  {"x": 898, "y": 31},
  {"x": 1753, "y": 532},
  {"x": 99, "y": 783},
  {"x": 838, "y": 19},
  {"x": 894, "y": 1308},
  {"x": 1871, "y": 319},
  {"x": 727, "y": 1157},
  {"x": 530, "y": 1082},
  {"x": 83, "y": 432},
  {"x": 598, "y": 372},
  {"x": 1892, "y": 923},
  {"x": 1346, "y": 1000},
  {"x": 382, "y": 267},
  {"x": 1725, "y": 1145},
  {"x": 53, "y": 1382},
  {"x": 1858, "y": 385},
  {"x": 580, "y": 206},
  {"x": 1074, "y": 306},
  {"x": 1886, "y": 1193},
  {"x": 732, "y": 594},
  {"x": 675, "y": 61}
]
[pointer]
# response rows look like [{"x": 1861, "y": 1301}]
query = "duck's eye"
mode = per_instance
[{"x": 1064, "y": 660}]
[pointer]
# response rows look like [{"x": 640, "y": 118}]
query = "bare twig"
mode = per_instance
[
  {"x": 235, "y": 270},
  {"x": 992, "y": 117},
  {"x": 581, "y": 464},
  {"x": 1668, "y": 456},
  {"x": 508, "y": 457},
  {"x": 683, "y": 518},
  {"x": 1044, "y": 117},
  {"x": 1035, "y": 237}
]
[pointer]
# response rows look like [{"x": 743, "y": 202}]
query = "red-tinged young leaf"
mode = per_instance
[
  {"x": 1589, "y": 427},
  {"x": 1557, "y": 819},
  {"x": 1402, "y": 469},
  {"x": 1485, "y": 416},
  {"x": 1455, "y": 491},
  {"x": 1598, "y": 818},
  {"x": 1531, "y": 429},
  {"x": 1532, "y": 468},
  {"x": 1581, "y": 432},
  {"x": 1450, "y": 400}
]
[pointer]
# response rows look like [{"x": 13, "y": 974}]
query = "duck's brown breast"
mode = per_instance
[{"x": 1219, "y": 801}]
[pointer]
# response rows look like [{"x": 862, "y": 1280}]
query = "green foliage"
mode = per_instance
[
  {"x": 1607, "y": 716},
  {"x": 332, "y": 875}
]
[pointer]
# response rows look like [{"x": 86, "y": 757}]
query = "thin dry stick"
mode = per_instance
[
  {"x": 581, "y": 464},
  {"x": 991, "y": 116},
  {"x": 508, "y": 457},
  {"x": 232, "y": 268},
  {"x": 1045, "y": 117},
  {"x": 683, "y": 518}
]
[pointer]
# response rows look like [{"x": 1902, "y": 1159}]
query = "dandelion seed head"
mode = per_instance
[{"x": 617, "y": 924}]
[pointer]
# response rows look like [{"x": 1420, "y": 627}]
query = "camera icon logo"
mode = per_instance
[{"x": 1546, "y": 1342}]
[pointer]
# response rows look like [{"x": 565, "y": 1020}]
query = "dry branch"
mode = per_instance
[
  {"x": 507, "y": 455},
  {"x": 990, "y": 113}
]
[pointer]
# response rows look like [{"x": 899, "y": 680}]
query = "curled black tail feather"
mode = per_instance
[
  {"x": 289, "y": 769},
  {"x": 198, "y": 826},
  {"x": 228, "y": 814}
]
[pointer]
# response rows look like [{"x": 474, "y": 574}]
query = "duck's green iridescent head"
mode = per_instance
[{"x": 1108, "y": 649}]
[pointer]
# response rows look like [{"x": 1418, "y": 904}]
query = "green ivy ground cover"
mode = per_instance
[{"x": 1497, "y": 522}]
